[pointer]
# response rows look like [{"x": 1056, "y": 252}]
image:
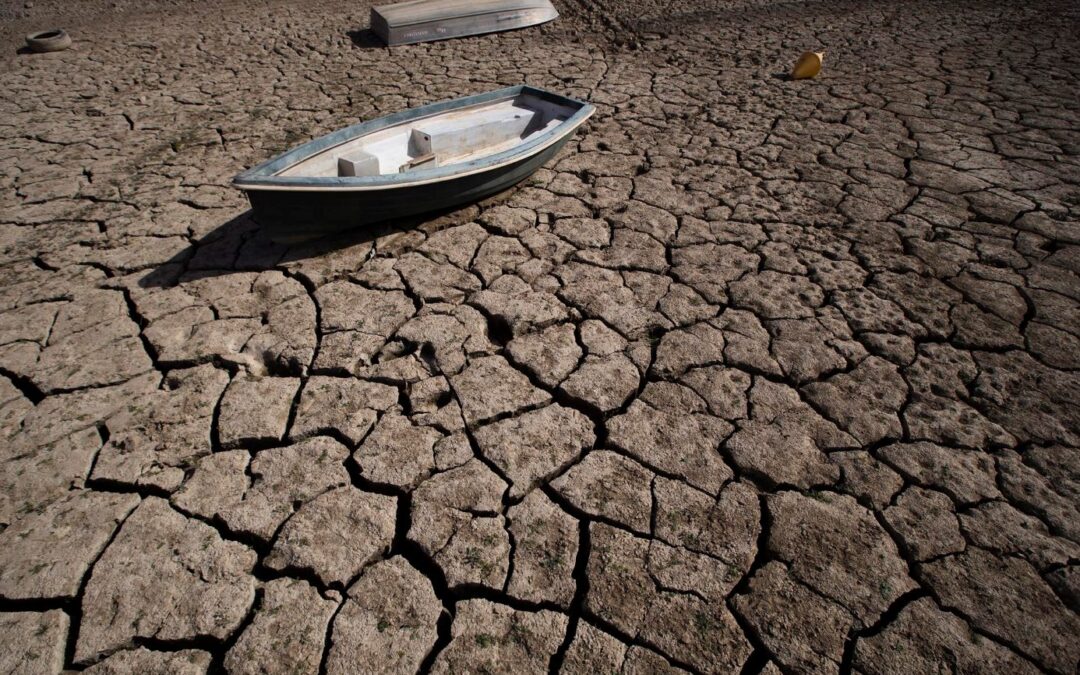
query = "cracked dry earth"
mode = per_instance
[{"x": 756, "y": 376}]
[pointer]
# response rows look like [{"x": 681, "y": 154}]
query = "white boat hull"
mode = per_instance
[{"x": 428, "y": 20}]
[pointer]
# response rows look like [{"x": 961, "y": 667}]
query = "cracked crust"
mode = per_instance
[{"x": 755, "y": 376}]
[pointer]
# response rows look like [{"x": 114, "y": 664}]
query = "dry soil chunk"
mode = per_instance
[
  {"x": 147, "y": 662},
  {"x": 343, "y": 405},
  {"x": 699, "y": 345},
  {"x": 279, "y": 479},
  {"x": 999, "y": 527},
  {"x": 724, "y": 390},
  {"x": 599, "y": 339},
  {"x": 925, "y": 522},
  {"x": 609, "y": 486},
  {"x": 155, "y": 437},
  {"x": 708, "y": 268},
  {"x": 550, "y": 355},
  {"x": 941, "y": 419},
  {"x": 455, "y": 519},
  {"x": 396, "y": 452},
  {"x": 773, "y": 295},
  {"x": 388, "y": 622},
  {"x": 623, "y": 592},
  {"x": 493, "y": 638},
  {"x": 629, "y": 250},
  {"x": 193, "y": 335},
  {"x": 1055, "y": 347},
  {"x": 864, "y": 477},
  {"x": 1006, "y": 598},
  {"x": 900, "y": 349},
  {"x": 620, "y": 588},
  {"x": 747, "y": 342},
  {"x": 347, "y": 350},
  {"x": 1066, "y": 582},
  {"x": 516, "y": 308},
  {"x": 336, "y": 534},
  {"x": 1030, "y": 400},
  {"x": 804, "y": 631},
  {"x": 33, "y": 642},
  {"x": 685, "y": 306},
  {"x": 217, "y": 482},
  {"x": 681, "y": 570},
  {"x": 498, "y": 256},
  {"x": 256, "y": 410},
  {"x": 490, "y": 387},
  {"x": 641, "y": 661},
  {"x": 457, "y": 244},
  {"x": 1059, "y": 464},
  {"x": 93, "y": 342},
  {"x": 806, "y": 348},
  {"x": 545, "y": 551},
  {"x": 724, "y": 527},
  {"x": 349, "y": 306},
  {"x": 535, "y": 445},
  {"x": 785, "y": 439},
  {"x": 864, "y": 401},
  {"x": 868, "y": 312},
  {"x": 1029, "y": 489},
  {"x": 968, "y": 476},
  {"x": 675, "y": 438},
  {"x": 47, "y": 555},
  {"x": 165, "y": 577},
  {"x": 287, "y": 632},
  {"x": 479, "y": 553},
  {"x": 594, "y": 651},
  {"x": 508, "y": 220},
  {"x": 922, "y": 638},
  {"x": 604, "y": 383},
  {"x": 604, "y": 295},
  {"x": 55, "y": 453},
  {"x": 837, "y": 547}
]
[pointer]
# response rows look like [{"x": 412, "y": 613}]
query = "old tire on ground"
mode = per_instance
[{"x": 55, "y": 40}]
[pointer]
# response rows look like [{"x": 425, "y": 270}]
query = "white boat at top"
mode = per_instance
[{"x": 426, "y": 20}]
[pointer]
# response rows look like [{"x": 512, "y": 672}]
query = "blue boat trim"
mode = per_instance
[{"x": 264, "y": 176}]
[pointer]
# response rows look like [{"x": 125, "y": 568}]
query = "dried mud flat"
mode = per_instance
[{"x": 757, "y": 375}]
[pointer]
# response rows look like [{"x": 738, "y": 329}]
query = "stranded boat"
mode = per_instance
[
  {"x": 415, "y": 161},
  {"x": 426, "y": 20}
]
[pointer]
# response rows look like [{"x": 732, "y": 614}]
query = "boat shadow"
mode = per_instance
[
  {"x": 365, "y": 38},
  {"x": 240, "y": 245}
]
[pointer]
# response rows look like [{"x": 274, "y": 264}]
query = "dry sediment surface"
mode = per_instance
[{"x": 756, "y": 375}]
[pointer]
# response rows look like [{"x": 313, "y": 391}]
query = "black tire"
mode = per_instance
[{"x": 56, "y": 40}]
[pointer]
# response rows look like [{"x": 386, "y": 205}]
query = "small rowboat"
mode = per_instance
[
  {"x": 427, "y": 20},
  {"x": 415, "y": 161}
]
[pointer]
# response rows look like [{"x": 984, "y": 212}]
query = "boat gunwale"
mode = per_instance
[
  {"x": 420, "y": 22},
  {"x": 265, "y": 176}
]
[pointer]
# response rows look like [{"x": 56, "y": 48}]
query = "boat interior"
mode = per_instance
[{"x": 453, "y": 137}]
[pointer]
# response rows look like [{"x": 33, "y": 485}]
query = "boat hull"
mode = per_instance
[
  {"x": 428, "y": 20},
  {"x": 292, "y": 216}
]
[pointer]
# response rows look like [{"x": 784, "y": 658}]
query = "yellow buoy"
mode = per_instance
[{"x": 808, "y": 65}]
